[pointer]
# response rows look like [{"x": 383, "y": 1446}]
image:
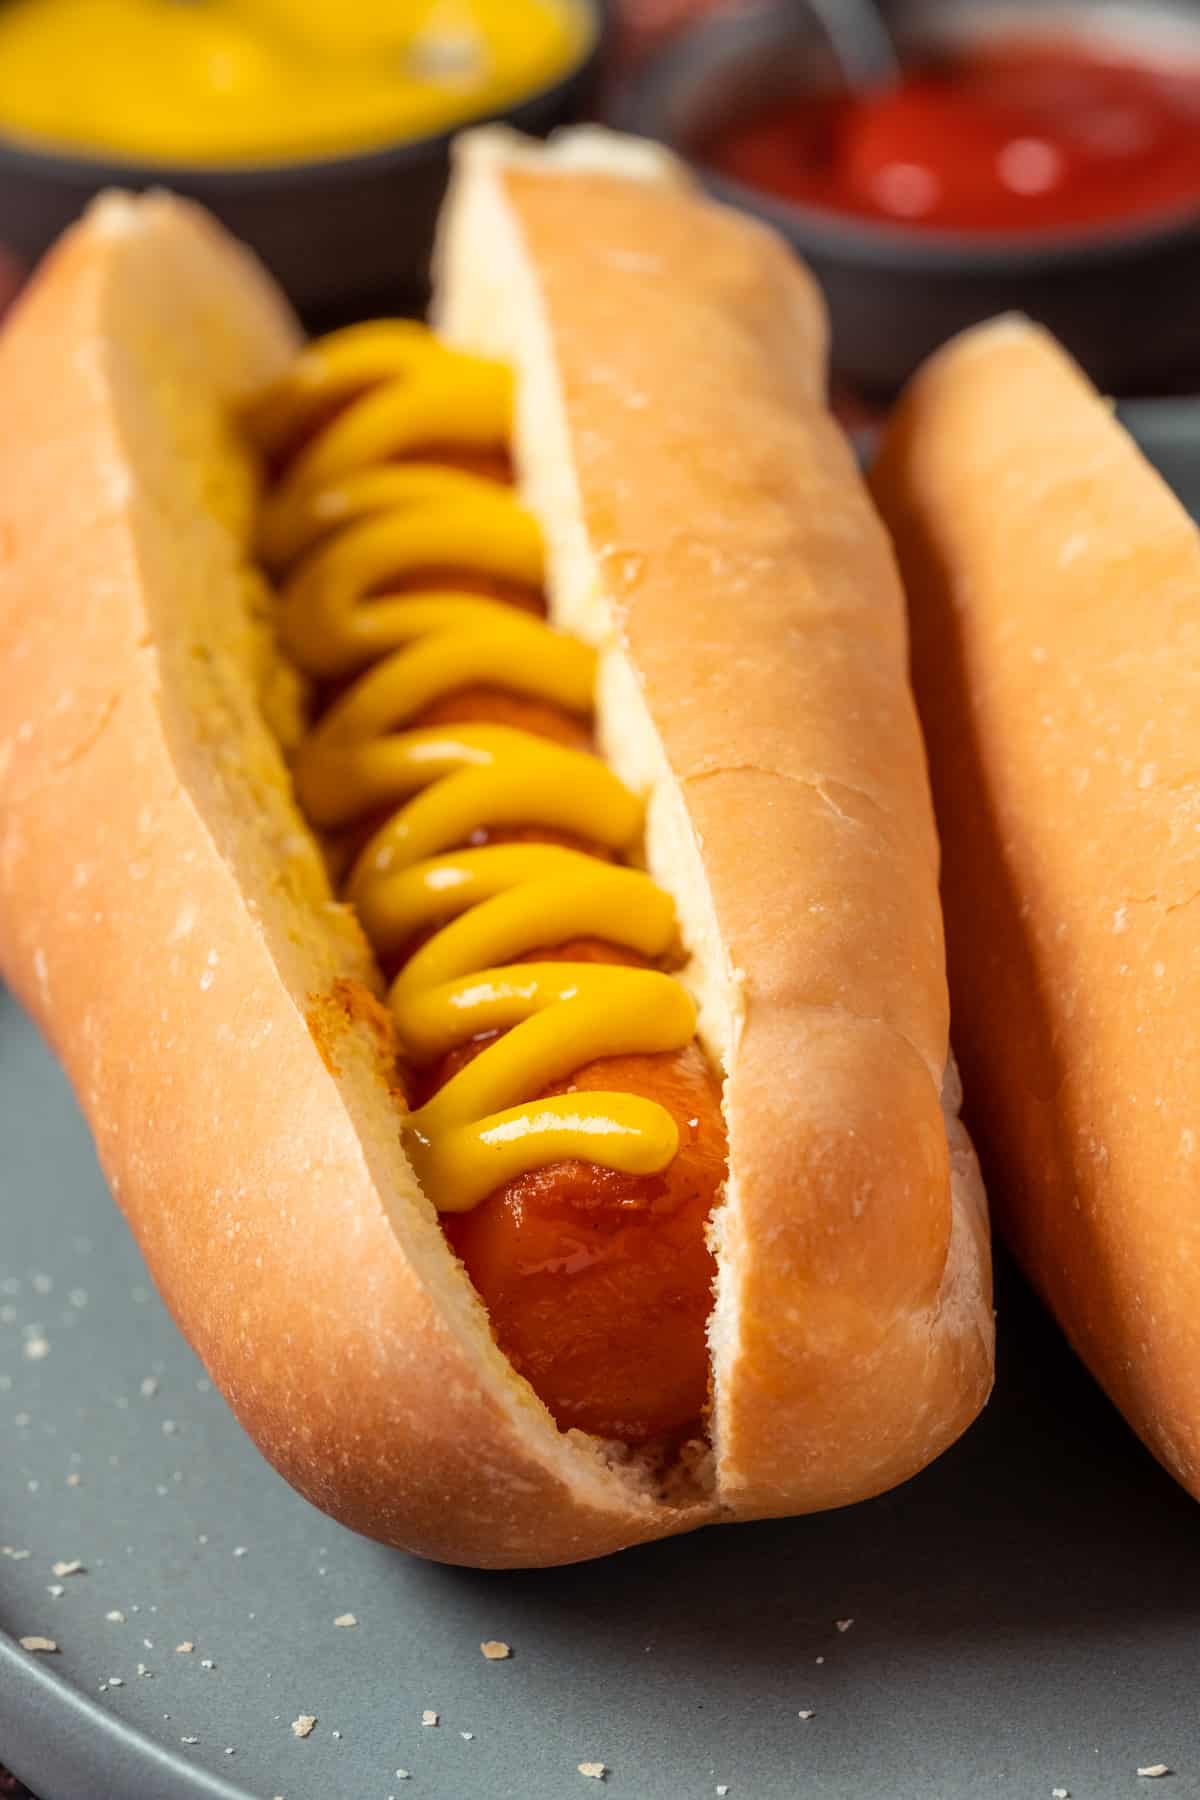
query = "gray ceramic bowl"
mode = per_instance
[
  {"x": 343, "y": 235},
  {"x": 1117, "y": 296}
]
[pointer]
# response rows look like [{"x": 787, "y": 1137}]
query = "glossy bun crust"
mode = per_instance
[{"x": 165, "y": 914}]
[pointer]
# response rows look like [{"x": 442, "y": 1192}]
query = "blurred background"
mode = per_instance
[{"x": 936, "y": 161}]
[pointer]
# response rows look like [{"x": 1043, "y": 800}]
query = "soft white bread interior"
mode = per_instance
[
  {"x": 708, "y": 532},
  {"x": 165, "y": 913}
]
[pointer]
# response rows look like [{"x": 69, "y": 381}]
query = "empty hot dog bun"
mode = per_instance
[
  {"x": 166, "y": 914},
  {"x": 1053, "y": 578}
]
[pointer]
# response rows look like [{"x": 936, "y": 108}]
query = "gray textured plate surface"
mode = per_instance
[{"x": 1026, "y": 1615}]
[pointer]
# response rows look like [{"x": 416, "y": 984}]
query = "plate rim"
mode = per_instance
[{"x": 53, "y": 1731}]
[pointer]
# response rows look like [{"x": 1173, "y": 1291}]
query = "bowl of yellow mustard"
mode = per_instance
[{"x": 317, "y": 130}]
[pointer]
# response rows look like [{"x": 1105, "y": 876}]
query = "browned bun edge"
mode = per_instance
[
  {"x": 164, "y": 911},
  {"x": 708, "y": 531},
  {"x": 165, "y": 915},
  {"x": 1054, "y": 581}
]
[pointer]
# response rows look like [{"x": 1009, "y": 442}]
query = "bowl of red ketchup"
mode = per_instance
[{"x": 1037, "y": 157}]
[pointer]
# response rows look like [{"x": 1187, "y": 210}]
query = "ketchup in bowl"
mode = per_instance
[{"x": 1009, "y": 134}]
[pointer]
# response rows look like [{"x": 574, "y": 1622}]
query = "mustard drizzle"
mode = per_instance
[{"x": 347, "y": 519}]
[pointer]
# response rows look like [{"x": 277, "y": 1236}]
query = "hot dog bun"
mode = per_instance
[
  {"x": 165, "y": 913},
  {"x": 1053, "y": 579}
]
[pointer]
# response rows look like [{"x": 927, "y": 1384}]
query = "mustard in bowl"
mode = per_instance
[
  {"x": 317, "y": 130},
  {"x": 260, "y": 81}
]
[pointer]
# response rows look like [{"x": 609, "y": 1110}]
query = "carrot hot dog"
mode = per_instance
[
  {"x": 463, "y": 721},
  {"x": 498, "y": 946}
]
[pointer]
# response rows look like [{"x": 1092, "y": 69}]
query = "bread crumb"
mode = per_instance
[
  {"x": 806, "y": 1715},
  {"x": 206, "y": 1662},
  {"x": 466, "y": 1736},
  {"x": 1060, "y": 1794},
  {"x": 722, "y": 1787},
  {"x": 595, "y": 1771},
  {"x": 15, "y": 1555},
  {"x": 56, "y": 1590},
  {"x": 186, "y": 1648},
  {"x": 36, "y": 1348},
  {"x": 74, "y": 1479},
  {"x": 69, "y": 1568},
  {"x": 496, "y": 1650},
  {"x": 149, "y": 1386},
  {"x": 116, "y": 1616},
  {"x": 116, "y": 1681},
  {"x": 344, "y": 1621},
  {"x": 428, "y": 1717},
  {"x": 843, "y": 1624},
  {"x": 240, "y": 1550},
  {"x": 189, "y": 1740},
  {"x": 1153, "y": 1770},
  {"x": 302, "y": 1726},
  {"x": 42, "y": 1645}
]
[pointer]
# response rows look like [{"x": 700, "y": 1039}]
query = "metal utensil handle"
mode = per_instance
[{"x": 861, "y": 40}]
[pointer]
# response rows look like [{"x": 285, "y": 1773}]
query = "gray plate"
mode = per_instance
[{"x": 1026, "y": 1615}]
